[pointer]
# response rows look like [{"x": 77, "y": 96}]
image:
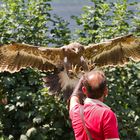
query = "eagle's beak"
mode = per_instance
[{"x": 76, "y": 50}]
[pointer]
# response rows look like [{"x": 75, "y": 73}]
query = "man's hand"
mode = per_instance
[{"x": 78, "y": 89}]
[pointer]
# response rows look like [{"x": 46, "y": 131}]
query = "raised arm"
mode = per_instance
[{"x": 77, "y": 95}]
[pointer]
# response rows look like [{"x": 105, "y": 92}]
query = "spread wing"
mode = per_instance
[
  {"x": 15, "y": 56},
  {"x": 114, "y": 52}
]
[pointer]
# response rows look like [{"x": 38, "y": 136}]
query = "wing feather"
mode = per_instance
[
  {"x": 115, "y": 51},
  {"x": 15, "y": 56}
]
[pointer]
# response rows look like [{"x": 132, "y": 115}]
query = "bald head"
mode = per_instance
[{"x": 95, "y": 83}]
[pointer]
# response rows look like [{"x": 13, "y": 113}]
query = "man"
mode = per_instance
[{"x": 97, "y": 120}]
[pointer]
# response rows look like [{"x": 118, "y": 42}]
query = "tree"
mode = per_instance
[
  {"x": 28, "y": 21},
  {"x": 105, "y": 20}
]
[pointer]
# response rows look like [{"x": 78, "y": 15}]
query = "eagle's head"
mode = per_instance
[{"x": 74, "y": 61}]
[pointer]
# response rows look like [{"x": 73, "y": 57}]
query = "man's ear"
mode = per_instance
[
  {"x": 84, "y": 90},
  {"x": 106, "y": 92}
]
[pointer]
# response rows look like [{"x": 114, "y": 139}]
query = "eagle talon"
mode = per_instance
[{"x": 73, "y": 71}]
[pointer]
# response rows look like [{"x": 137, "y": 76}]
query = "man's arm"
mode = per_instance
[
  {"x": 77, "y": 95},
  {"x": 73, "y": 101}
]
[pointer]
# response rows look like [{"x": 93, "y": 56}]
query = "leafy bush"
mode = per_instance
[
  {"x": 31, "y": 112},
  {"x": 124, "y": 96}
]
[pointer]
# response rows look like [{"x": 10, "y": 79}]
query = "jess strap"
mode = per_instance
[{"x": 82, "y": 118}]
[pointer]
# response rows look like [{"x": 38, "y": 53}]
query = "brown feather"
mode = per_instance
[
  {"x": 114, "y": 52},
  {"x": 16, "y": 56}
]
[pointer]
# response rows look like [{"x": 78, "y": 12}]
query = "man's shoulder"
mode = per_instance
[
  {"x": 108, "y": 113},
  {"x": 75, "y": 107},
  {"x": 96, "y": 102},
  {"x": 96, "y": 106},
  {"x": 98, "y": 109}
]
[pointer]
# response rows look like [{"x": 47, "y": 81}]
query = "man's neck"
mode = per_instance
[
  {"x": 95, "y": 101},
  {"x": 101, "y": 99}
]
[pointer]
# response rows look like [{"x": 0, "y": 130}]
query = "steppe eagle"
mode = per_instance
[{"x": 65, "y": 65}]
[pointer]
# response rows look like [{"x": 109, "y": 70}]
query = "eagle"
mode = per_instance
[{"x": 65, "y": 65}]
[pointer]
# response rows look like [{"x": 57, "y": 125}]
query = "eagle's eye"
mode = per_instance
[{"x": 81, "y": 68}]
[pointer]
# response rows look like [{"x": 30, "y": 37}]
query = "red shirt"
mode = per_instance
[{"x": 99, "y": 120}]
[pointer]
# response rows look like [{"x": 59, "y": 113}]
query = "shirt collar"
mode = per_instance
[{"x": 95, "y": 101}]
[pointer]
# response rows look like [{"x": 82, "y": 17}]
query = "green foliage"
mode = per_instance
[
  {"x": 31, "y": 112},
  {"x": 60, "y": 34},
  {"x": 28, "y": 21},
  {"x": 24, "y": 21},
  {"x": 105, "y": 20},
  {"x": 124, "y": 96},
  {"x": 136, "y": 20}
]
